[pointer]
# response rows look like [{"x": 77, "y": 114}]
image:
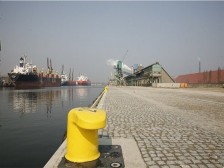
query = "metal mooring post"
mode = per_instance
[
  {"x": 82, "y": 134},
  {"x": 106, "y": 89}
]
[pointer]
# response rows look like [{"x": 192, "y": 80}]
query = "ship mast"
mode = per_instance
[
  {"x": 62, "y": 71},
  {"x": 51, "y": 69},
  {"x": 69, "y": 74},
  {"x": 48, "y": 65},
  {"x": 72, "y": 73}
]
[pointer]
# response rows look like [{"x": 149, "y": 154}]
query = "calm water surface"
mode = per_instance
[{"x": 33, "y": 122}]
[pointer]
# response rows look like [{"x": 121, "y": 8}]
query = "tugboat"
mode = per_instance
[
  {"x": 83, "y": 80},
  {"x": 25, "y": 76}
]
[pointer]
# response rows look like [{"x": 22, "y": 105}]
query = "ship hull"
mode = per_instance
[
  {"x": 69, "y": 83},
  {"x": 84, "y": 83},
  {"x": 30, "y": 81}
]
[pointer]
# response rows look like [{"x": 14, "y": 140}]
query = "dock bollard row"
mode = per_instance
[{"x": 82, "y": 134}]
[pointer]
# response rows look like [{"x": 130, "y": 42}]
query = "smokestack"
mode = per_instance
[{"x": 199, "y": 64}]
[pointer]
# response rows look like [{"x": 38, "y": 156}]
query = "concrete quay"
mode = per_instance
[{"x": 173, "y": 128}]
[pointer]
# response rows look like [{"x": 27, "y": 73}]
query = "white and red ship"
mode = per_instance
[{"x": 83, "y": 80}]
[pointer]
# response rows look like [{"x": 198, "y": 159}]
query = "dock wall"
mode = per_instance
[{"x": 166, "y": 85}]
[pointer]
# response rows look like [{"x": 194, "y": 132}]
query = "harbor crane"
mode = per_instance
[{"x": 120, "y": 71}]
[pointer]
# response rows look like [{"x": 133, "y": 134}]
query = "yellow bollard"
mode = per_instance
[
  {"x": 82, "y": 134},
  {"x": 106, "y": 89}
]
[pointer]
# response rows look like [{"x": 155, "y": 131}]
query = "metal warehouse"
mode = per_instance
[{"x": 154, "y": 73}]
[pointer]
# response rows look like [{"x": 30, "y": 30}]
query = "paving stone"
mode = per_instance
[
  {"x": 185, "y": 166},
  {"x": 202, "y": 166},
  {"x": 161, "y": 163},
  {"x": 171, "y": 162},
  {"x": 147, "y": 159},
  {"x": 156, "y": 158},
  {"x": 164, "y": 166},
  {"x": 219, "y": 165},
  {"x": 187, "y": 161},
  {"x": 150, "y": 163},
  {"x": 154, "y": 166},
  {"x": 193, "y": 166},
  {"x": 211, "y": 165},
  {"x": 181, "y": 128}
]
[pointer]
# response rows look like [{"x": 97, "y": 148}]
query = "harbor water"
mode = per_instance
[{"x": 33, "y": 122}]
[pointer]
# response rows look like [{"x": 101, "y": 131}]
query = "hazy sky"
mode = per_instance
[{"x": 84, "y": 35}]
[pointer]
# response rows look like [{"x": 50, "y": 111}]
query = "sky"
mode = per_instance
[{"x": 85, "y": 35}]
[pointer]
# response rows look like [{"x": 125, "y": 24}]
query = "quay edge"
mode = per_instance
[{"x": 131, "y": 154}]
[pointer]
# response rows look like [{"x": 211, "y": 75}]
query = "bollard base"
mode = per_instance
[{"x": 110, "y": 157}]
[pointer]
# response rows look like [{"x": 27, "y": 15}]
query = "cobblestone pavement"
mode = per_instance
[{"x": 172, "y": 127}]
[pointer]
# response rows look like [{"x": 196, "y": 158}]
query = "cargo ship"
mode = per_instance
[
  {"x": 25, "y": 76},
  {"x": 67, "y": 80},
  {"x": 64, "y": 79},
  {"x": 83, "y": 80}
]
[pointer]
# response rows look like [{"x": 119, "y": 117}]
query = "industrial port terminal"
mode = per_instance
[
  {"x": 152, "y": 75},
  {"x": 143, "y": 123},
  {"x": 112, "y": 84},
  {"x": 138, "y": 121}
]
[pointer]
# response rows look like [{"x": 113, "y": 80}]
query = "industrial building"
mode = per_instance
[
  {"x": 154, "y": 73},
  {"x": 207, "y": 77}
]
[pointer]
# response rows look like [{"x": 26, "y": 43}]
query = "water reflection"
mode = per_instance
[
  {"x": 32, "y": 101},
  {"x": 36, "y": 120},
  {"x": 25, "y": 102},
  {"x": 82, "y": 92},
  {"x": 67, "y": 95}
]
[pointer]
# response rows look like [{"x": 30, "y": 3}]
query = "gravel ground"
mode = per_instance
[{"x": 172, "y": 127}]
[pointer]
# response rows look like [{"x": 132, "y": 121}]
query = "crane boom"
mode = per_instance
[{"x": 125, "y": 55}]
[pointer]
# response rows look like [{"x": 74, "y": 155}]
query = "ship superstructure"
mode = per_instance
[
  {"x": 67, "y": 80},
  {"x": 83, "y": 80}
]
